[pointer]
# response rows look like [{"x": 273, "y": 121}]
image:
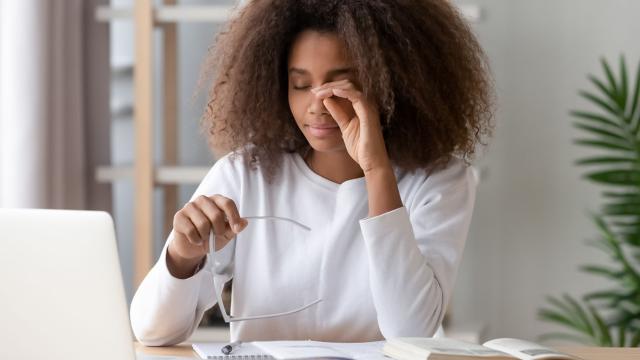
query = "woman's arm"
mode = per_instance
[
  {"x": 382, "y": 188},
  {"x": 166, "y": 309},
  {"x": 414, "y": 253}
]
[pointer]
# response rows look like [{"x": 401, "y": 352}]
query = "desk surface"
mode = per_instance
[{"x": 584, "y": 352}]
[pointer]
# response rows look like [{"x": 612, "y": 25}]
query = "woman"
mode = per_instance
[{"x": 351, "y": 125}]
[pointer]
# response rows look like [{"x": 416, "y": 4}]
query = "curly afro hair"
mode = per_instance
[{"x": 418, "y": 60}]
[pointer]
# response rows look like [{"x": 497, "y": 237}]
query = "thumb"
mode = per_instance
[{"x": 339, "y": 115}]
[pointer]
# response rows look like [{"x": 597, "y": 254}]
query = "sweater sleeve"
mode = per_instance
[
  {"x": 166, "y": 310},
  {"x": 414, "y": 253}
]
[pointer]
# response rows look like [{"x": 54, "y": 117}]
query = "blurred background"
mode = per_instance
[{"x": 98, "y": 111}]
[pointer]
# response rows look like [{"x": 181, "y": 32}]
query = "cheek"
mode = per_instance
[{"x": 297, "y": 107}]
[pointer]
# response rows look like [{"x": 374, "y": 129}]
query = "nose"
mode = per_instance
[{"x": 317, "y": 106}]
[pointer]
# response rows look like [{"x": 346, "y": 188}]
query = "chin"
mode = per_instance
[{"x": 327, "y": 146}]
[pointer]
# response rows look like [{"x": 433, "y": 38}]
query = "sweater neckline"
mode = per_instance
[{"x": 320, "y": 180}]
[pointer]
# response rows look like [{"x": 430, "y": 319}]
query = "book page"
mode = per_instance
[
  {"x": 526, "y": 350},
  {"x": 422, "y": 348}
]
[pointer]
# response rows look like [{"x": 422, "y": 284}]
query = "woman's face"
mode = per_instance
[{"x": 314, "y": 59}]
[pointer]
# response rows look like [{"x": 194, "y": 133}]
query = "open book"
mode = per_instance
[{"x": 416, "y": 348}]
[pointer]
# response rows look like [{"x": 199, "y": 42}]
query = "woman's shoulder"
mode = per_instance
[
  {"x": 455, "y": 171},
  {"x": 245, "y": 164}
]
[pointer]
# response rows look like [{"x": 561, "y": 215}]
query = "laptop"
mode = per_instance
[{"x": 61, "y": 290}]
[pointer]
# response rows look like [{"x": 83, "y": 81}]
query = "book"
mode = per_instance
[{"x": 415, "y": 348}]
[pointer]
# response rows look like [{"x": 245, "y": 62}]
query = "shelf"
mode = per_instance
[
  {"x": 121, "y": 109},
  {"x": 172, "y": 14},
  {"x": 169, "y": 13},
  {"x": 164, "y": 175},
  {"x": 214, "y": 13}
]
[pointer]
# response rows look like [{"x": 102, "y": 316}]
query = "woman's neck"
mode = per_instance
[{"x": 337, "y": 166}]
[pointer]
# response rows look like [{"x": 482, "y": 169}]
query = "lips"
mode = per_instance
[
  {"x": 323, "y": 126},
  {"x": 323, "y": 130}
]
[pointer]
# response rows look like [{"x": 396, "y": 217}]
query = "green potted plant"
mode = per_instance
[{"x": 610, "y": 317}]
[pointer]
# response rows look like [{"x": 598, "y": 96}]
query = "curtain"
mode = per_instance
[{"x": 54, "y": 104}]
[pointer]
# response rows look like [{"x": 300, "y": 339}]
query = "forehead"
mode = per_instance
[{"x": 317, "y": 52}]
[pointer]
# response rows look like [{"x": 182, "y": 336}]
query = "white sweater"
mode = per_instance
[{"x": 380, "y": 277}]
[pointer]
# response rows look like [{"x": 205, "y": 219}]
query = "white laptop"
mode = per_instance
[{"x": 61, "y": 290}]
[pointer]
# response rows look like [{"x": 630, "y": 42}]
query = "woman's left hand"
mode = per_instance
[{"x": 359, "y": 122}]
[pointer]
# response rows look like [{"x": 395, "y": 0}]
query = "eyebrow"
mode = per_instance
[{"x": 333, "y": 72}]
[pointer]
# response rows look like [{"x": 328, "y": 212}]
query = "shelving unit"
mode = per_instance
[{"x": 146, "y": 176}]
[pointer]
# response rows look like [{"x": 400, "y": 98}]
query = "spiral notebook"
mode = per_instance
[
  {"x": 213, "y": 350},
  {"x": 289, "y": 350}
]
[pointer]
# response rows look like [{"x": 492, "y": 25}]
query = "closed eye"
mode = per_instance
[{"x": 301, "y": 88}]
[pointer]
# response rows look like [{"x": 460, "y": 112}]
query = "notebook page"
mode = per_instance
[{"x": 287, "y": 350}]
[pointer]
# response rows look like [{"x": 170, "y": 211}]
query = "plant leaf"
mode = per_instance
[
  {"x": 635, "y": 341},
  {"x": 601, "y": 271},
  {"x": 580, "y": 312},
  {"x": 600, "y": 132},
  {"x": 559, "y": 318},
  {"x": 622, "y": 335},
  {"x": 603, "y": 104},
  {"x": 605, "y": 160},
  {"x": 609, "y": 73},
  {"x": 624, "y": 195},
  {"x": 622, "y": 208},
  {"x": 604, "y": 144},
  {"x": 611, "y": 94},
  {"x": 605, "y": 336},
  {"x": 624, "y": 85},
  {"x": 635, "y": 99},
  {"x": 602, "y": 295},
  {"x": 596, "y": 118},
  {"x": 616, "y": 177}
]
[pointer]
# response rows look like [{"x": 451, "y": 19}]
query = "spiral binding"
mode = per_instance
[{"x": 242, "y": 357}]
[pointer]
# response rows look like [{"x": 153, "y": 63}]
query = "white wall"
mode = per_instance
[{"x": 530, "y": 226}]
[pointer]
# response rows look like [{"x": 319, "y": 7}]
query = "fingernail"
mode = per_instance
[{"x": 237, "y": 228}]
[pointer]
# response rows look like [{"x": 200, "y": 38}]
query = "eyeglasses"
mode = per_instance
[{"x": 229, "y": 318}]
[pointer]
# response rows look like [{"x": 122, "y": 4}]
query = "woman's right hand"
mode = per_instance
[{"x": 191, "y": 228}]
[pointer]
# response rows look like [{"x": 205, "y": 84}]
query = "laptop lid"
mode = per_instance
[{"x": 61, "y": 290}]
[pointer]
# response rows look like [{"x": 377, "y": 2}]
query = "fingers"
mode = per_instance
[
  {"x": 364, "y": 109},
  {"x": 215, "y": 216},
  {"x": 231, "y": 212},
  {"x": 341, "y": 117},
  {"x": 198, "y": 217},
  {"x": 331, "y": 84},
  {"x": 193, "y": 224},
  {"x": 344, "y": 91}
]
